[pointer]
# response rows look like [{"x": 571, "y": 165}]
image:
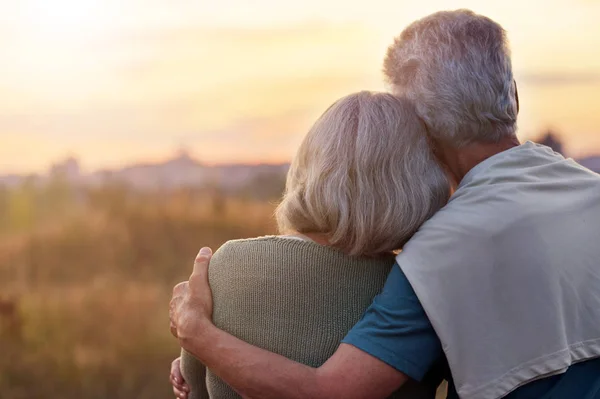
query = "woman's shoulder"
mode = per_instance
[
  {"x": 293, "y": 249},
  {"x": 273, "y": 243},
  {"x": 260, "y": 256},
  {"x": 270, "y": 244},
  {"x": 262, "y": 241}
]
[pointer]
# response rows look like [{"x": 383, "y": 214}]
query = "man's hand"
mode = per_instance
[
  {"x": 191, "y": 306},
  {"x": 180, "y": 388}
]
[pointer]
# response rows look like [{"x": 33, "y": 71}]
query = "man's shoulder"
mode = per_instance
[
  {"x": 460, "y": 218},
  {"x": 492, "y": 206},
  {"x": 461, "y": 228}
]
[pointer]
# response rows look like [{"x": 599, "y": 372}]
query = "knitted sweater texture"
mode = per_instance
[{"x": 292, "y": 297}]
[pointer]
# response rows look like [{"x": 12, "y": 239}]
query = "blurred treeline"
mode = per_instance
[{"x": 86, "y": 276}]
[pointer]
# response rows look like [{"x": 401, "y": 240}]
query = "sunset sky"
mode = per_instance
[{"x": 119, "y": 81}]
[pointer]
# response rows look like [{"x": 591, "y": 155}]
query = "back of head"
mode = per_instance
[
  {"x": 364, "y": 176},
  {"x": 456, "y": 67}
]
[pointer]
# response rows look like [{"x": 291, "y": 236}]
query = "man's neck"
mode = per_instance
[{"x": 459, "y": 161}]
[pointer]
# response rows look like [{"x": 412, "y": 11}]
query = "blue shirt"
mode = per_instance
[{"x": 396, "y": 330}]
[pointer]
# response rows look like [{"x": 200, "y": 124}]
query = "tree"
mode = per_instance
[{"x": 551, "y": 140}]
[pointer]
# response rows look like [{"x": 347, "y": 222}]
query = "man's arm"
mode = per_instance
[
  {"x": 392, "y": 342},
  {"x": 257, "y": 373}
]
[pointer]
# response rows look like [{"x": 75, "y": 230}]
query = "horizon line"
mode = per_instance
[{"x": 141, "y": 162}]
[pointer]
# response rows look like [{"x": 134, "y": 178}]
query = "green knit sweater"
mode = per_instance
[{"x": 292, "y": 297}]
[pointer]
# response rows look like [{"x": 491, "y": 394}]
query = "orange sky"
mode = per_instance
[{"x": 117, "y": 81}]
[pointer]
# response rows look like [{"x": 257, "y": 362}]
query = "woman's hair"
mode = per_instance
[{"x": 364, "y": 176}]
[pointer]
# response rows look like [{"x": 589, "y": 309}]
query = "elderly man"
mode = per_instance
[{"x": 503, "y": 283}]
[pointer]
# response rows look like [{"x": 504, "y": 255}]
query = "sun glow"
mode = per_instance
[
  {"x": 120, "y": 80},
  {"x": 68, "y": 20}
]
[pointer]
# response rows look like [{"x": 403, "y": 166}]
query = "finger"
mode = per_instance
[
  {"x": 180, "y": 288},
  {"x": 175, "y": 384},
  {"x": 178, "y": 389},
  {"x": 176, "y": 371},
  {"x": 202, "y": 260},
  {"x": 173, "y": 329},
  {"x": 181, "y": 387},
  {"x": 199, "y": 278},
  {"x": 180, "y": 394}
]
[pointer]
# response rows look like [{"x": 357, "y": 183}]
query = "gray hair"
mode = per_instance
[
  {"x": 456, "y": 67},
  {"x": 364, "y": 176}
]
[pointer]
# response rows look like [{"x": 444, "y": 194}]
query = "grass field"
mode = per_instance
[
  {"x": 85, "y": 283},
  {"x": 85, "y": 287}
]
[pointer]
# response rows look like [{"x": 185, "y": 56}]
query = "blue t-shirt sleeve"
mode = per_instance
[{"x": 396, "y": 330}]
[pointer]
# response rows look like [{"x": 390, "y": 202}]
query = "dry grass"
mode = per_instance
[
  {"x": 91, "y": 288},
  {"x": 92, "y": 293}
]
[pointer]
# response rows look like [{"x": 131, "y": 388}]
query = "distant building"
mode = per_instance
[
  {"x": 69, "y": 169},
  {"x": 551, "y": 140}
]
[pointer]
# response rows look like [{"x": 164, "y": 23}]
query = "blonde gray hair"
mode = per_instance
[
  {"x": 364, "y": 176},
  {"x": 456, "y": 67}
]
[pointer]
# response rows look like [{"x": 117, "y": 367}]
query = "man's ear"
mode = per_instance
[{"x": 516, "y": 95}]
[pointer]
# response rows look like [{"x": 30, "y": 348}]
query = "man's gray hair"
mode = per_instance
[
  {"x": 456, "y": 67},
  {"x": 364, "y": 176}
]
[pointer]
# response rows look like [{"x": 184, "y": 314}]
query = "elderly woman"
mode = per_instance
[{"x": 362, "y": 182}]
